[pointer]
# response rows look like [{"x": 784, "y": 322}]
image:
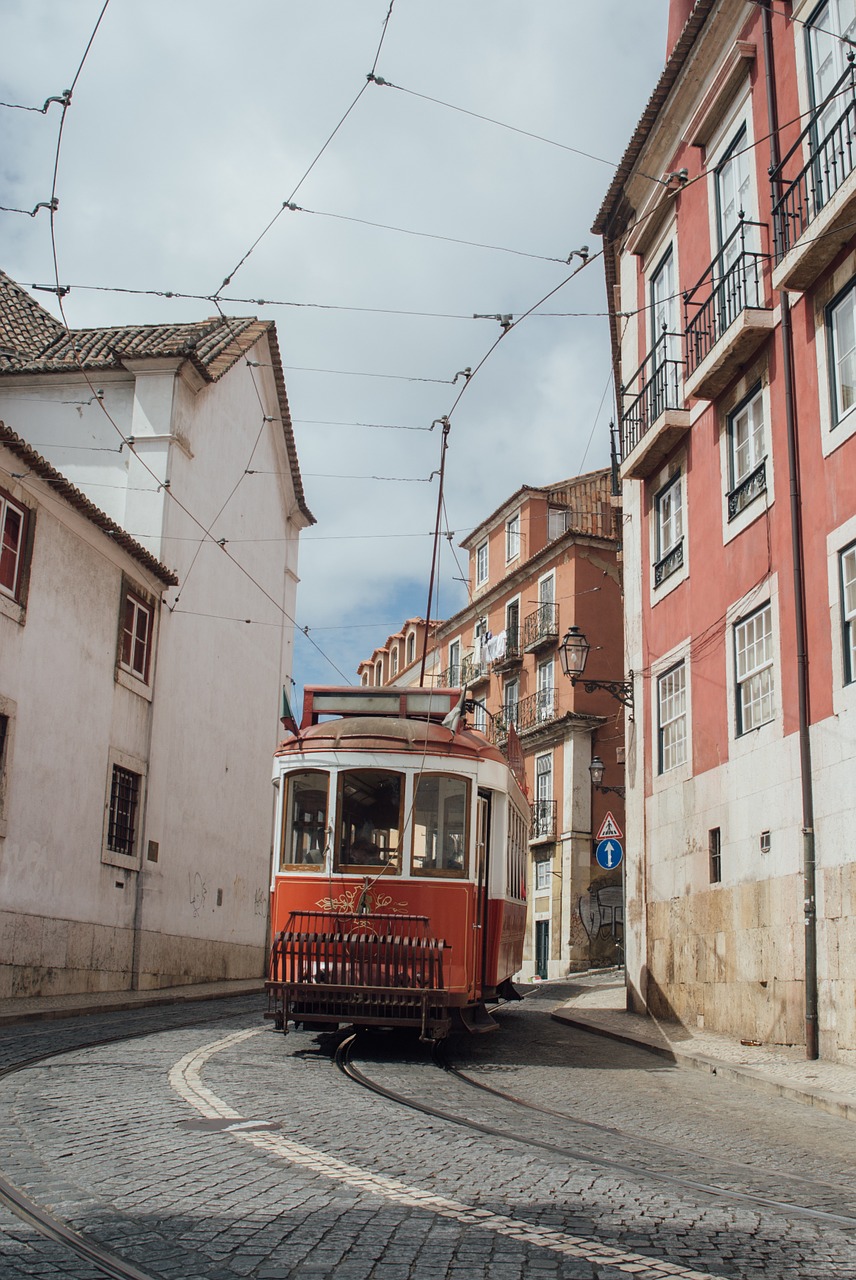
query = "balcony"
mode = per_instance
[
  {"x": 726, "y": 315},
  {"x": 750, "y": 487},
  {"x": 538, "y": 709},
  {"x": 814, "y": 190},
  {"x": 669, "y": 563},
  {"x": 541, "y": 628},
  {"x": 450, "y": 678},
  {"x": 474, "y": 672},
  {"x": 513, "y": 655},
  {"x": 654, "y": 417},
  {"x": 498, "y": 727},
  {"x": 543, "y": 820}
]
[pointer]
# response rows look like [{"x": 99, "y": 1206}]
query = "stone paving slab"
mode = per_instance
[
  {"x": 598, "y": 1005},
  {"x": 29, "y": 1008}
]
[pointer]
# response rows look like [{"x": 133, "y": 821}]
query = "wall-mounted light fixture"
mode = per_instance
[
  {"x": 573, "y": 655},
  {"x": 596, "y": 770}
]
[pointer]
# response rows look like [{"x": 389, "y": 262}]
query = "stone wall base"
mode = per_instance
[{"x": 41, "y": 956}]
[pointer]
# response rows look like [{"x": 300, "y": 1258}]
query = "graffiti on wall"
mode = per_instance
[{"x": 602, "y": 912}]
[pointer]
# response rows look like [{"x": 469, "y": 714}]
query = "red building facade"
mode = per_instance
[{"x": 729, "y": 236}]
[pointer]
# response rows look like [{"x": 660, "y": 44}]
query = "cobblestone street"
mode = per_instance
[{"x": 210, "y": 1146}]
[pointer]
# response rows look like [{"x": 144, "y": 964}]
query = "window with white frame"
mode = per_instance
[
  {"x": 543, "y": 868},
  {"x": 136, "y": 638},
  {"x": 841, "y": 330},
  {"x": 747, "y": 453},
  {"x": 668, "y": 506},
  {"x": 829, "y": 31},
  {"x": 394, "y": 661},
  {"x": 848, "y": 611},
  {"x": 411, "y": 648},
  {"x": 480, "y": 716},
  {"x": 546, "y": 692},
  {"x": 365, "y": 678},
  {"x": 13, "y": 528},
  {"x": 557, "y": 522},
  {"x": 753, "y": 649},
  {"x": 672, "y": 718},
  {"x": 510, "y": 700},
  {"x": 454, "y": 663},
  {"x": 378, "y": 672},
  {"x": 481, "y": 564},
  {"x": 543, "y": 817},
  {"x": 512, "y": 537}
]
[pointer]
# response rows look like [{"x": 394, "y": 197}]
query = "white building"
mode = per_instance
[{"x": 181, "y": 435}]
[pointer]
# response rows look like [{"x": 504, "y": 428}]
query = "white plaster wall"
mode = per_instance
[
  {"x": 58, "y": 418},
  {"x": 59, "y": 670},
  {"x": 216, "y": 719}
]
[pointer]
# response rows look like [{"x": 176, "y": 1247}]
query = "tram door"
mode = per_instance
[
  {"x": 481, "y": 871},
  {"x": 542, "y": 947}
]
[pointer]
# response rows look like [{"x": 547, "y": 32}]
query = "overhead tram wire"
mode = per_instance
[{"x": 100, "y": 400}]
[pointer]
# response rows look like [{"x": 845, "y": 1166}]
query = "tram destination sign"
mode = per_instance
[{"x": 609, "y": 854}]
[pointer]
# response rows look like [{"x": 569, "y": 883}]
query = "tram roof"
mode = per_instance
[{"x": 391, "y": 734}]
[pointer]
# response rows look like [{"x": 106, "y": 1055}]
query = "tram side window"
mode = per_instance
[
  {"x": 304, "y": 828},
  {"x": 369, "y": 822},
  {"x": 440, "y": 813},
  {"x": 515, "y": 855}
]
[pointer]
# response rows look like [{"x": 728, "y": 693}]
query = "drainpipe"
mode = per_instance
[{"x": 809, "y": 864}]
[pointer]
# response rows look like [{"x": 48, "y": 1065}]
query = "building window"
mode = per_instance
[
  {"x": 841, "y": 328},
  {"x": 546, "y": 692},
  {"x": 557, "y": 522},
  {"x": 714, "y": 845},
  {"x": 454, "y": 673},
  {"x": 136, "y": 636},
  {"x": 747, "y": 452},
  {"x": 542, "y": 875},
  {"x": 378, "y": 673},
  {"x": 672, "y": 718},
  {"x": 480, "y": 716},
  {"x": 510, "y": 700},
  {"x": 394, "y": 661},
  {"x": 481, "y": 564},
  {"x": 753, "y": 642},
  {"x": 122, "y": 820},
  {"x": 512, "y": 537},
  {"x": 848, "y": 611},
  {"x": 764, "y": 842},
  {"x": 411, "y": 648},
  {"x": 543, "y": 817},
  {"x": 668, "y": 506},
  {"x": 13, "y": 529},
  {"x": 830, "y": 30},
  {"x": 365, "y": 678}
]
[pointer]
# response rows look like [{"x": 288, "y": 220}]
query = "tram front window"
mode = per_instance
[
  {"x": 304, "y": 829},
  {"x": 369, "y": 818},
  {"x": 440, "y": 809}
]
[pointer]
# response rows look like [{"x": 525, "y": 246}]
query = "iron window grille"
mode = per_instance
[
  {"x": 124, "y": 799},
  {"x": 670, "y": 530}
]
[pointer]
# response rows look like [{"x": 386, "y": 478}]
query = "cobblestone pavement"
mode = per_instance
[{"x": 146, "y": 1146}]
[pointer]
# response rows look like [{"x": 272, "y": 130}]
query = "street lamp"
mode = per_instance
[
  {"x": 573, "y": 654},
  {"x": 596, "y": 770}
]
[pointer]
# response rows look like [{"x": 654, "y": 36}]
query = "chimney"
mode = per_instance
[{"x": 679, "y": 11}]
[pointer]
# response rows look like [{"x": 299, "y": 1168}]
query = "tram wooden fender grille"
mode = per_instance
[{"x": 358, "y": 971}]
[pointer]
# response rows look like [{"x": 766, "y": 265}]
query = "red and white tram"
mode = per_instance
[{"x": 399, "y": 881}]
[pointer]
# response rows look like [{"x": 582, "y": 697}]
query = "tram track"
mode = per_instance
[
  {"x": 42, "y": 1220},
  {"x": 572, "y": 1149}
]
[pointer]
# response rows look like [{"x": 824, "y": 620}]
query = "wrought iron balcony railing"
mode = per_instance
[
  {"x": 500, "y": 724},
  {"x": 450, "y": 678},
  {"x": 473, "y": 671},
  {"x": 669, "y": 563},
  {"x": 543, "y": 820},
  {"x": 802, "y": 188},
  {"x": 538, "y": 708},
  {"x": 542, "y": 626},
  {"x": 513, "y": 649},
  {"x": 748, "y": 488},
  {"x": 733, "y": 282},
  {"x": 657, "y": 385}
]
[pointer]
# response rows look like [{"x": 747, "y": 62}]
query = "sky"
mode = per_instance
[{"x": 191, "y": 123}]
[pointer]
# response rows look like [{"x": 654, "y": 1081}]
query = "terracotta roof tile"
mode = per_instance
[{"x": 26, "y": 329}]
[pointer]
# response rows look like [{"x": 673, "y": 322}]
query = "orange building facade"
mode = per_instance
[
  {"x": 730, "y": 260},
  {"x": 545, "y": 560}
]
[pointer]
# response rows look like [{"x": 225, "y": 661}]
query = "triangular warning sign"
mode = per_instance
[{"x": 609, "y": 829}]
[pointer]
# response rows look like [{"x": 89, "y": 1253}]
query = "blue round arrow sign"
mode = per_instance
[{"x": 609, "y": 854}]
